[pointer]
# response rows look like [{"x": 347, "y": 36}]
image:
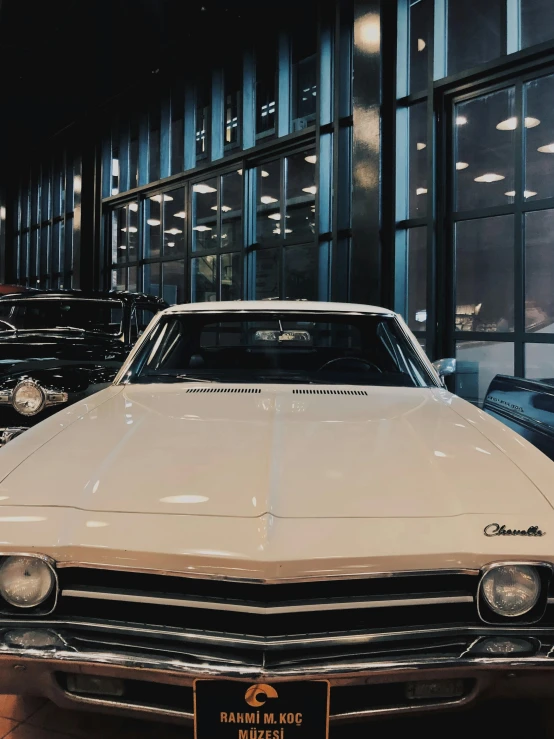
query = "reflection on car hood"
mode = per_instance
[{"x": 214, "y": 451}]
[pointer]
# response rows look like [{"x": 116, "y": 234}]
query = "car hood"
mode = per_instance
[{"x": 288, "y": 452}]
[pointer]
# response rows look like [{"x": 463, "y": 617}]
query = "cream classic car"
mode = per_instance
[{"x": 276, "y": 518}]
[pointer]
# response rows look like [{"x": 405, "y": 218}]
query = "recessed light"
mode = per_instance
[
  {"x": 311, "y": 159},
  {"x": 201, "y": 228},
  {"x": 546, "y": 149},
  {"x": 171, "y": 243},
  {"x": 180, "y": 214},
  {"x": 462, "y": 165},
  {"x": 115, "y": 167},
  {"x": 531, "y": 122},
  {"x": 421, "y": 191},
  {"x": 153, "y": 222},
  {"x": 490, "y": 177},
  {"x": 158, "y": 198},
  {"x": 267, "y": 199},
  {"x": 421, "y": 44},
  {"x": 510, "y": 194},
  {"x": 203, "y": 189},
  {"x": 122, "y": 246},
  {"x": 421, "y": 146},
  {"x": 526, "y": 194},
  {"x": 173, "y": 231},
  {"x": 461, "y": 120},
  {"x": 133, "y": 207},
  {"x": 131, "y": 229},
  {"x": 310, "y": 190},
  {"x": 275, "y": 216},
  {"x": 239, "y": 171},
  {"x": 224, "y": 208},
  {"x": 508, "y": 125}
]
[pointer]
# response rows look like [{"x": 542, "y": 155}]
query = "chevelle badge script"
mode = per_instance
[{"x": 495, "y": 529}]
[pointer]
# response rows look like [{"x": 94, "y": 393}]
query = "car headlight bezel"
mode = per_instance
[
  {"x": 487, "y": 614},
  {"x": 42, "y": 608},
  {"x": 28, "y": 383}
]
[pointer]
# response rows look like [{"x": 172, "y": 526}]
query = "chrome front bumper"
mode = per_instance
[{"x": 360, "y": 687}]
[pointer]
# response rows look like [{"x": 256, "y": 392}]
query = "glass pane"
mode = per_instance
[
  {"x": 152, "y": 226},
  {"x": 120, "y": 235},
  {"x": 421, "y": 28},
  {"x": 133, "y": 279},
  {"x": 204, "y": 279},
  {"x": 231, "y": 210},
  {"x": 115, "y": 167},
  {"x": 301, "y": 191},
  {"x": 539, "y": 361},
  {"x": 133, "y": 155},
  {"x": 204, "y": 215},
  {"x": 477, "y": 363},
  {"x": 231, "y": 277},
  {"x": 203, "y": 109},
  {"x": 119, "y": 279},
  {"x": 268, "y": 224},
  {"x": 55, "y": 264},
  {"x": 45, "y": 195},
  {"x": 267, "y": 274},
  {"x": 539, "y": 138},
  {"x": 24, "y": 206},
  {"x": 485, "y": 146},
  {"x": 304, "y": 74},
  {"x": 151, "y": 279},
  {"x": 485, "y": 274},
  {"x": 35, "y": 193},
  {"x": 265, "y": 89},
  {"x": 301, "y": 273},
  {"x": 177, "y": 130},
  {"x": 233, "y": 102},
  {"x": 43, "y": 254},
  {"x": 174, "y": 222},
  {"x": 474, "y": 33},
  {"x": 174, "y": 282},
  {"x": 537, "y": 21},
  {"x": 417, "y": 279},
  {"x": 56, "y": 188},
  {"x": 539, "y": 271},
  {"x": 154, "y": 144},
  {"x": 132, "y": 232},
  {"x": 418, "y": 160}
]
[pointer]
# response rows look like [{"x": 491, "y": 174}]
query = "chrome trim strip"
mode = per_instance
[
  {"x": 321, "y": 577},
  {"x": 279, "y": 642},
  {"x": 212, "y": 605}
]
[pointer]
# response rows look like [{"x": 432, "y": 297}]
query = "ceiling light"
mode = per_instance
[
  {"x": 158, "y": 198},
  {"x": 267, "y": 199},
  {"x": 264, "y": 173},
  {"x": 171, "y": 243},
  {"x": 180, "y": 214},
  {"x": 153, "y": 222},
  {"x": 275, "y": 216},
  {"x": 173, "y": 231},
  {"x": 288, "y": 230},
  {"x": 461, "y": 120},
  {"x": 201, "y": 228},
  {"x": 546, "y": 149},
  {"x": 310, "y": 190},
  {"x": 490, "y": 177},
  {"x": 526, "y": 194},
  {"x": 421, "y": 44},
  {"x": 239, "y": 171},
  {"x": 421, "y": 191},
  {"x": 510, "y": 124},
  {"x": 420, "y": 146},
  {"x": 133, "y": 207},
  {"x": 203, "y": 189},
  {"x": 224, "y": 208},
  {"x": 115, "y": 191},
  {"x": 462, "y": 165},
  {"x": 311, "y": 159},
  {"x": 115, "y": 167},
  {"x": 122, "y": 246},
  {"x": 131, "y": 229},
  {"x": 276, "y": 230}
]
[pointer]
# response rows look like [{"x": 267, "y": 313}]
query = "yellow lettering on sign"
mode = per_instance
[
  {"x": 269, "y": 718},
  {"x": 223, "y": 717}
]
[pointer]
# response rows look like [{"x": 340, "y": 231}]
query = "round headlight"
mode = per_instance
[
  {"x": 28, "y": 398},
  {"x": 511, "y": 590},
  {"x": 25, "y": 582}
]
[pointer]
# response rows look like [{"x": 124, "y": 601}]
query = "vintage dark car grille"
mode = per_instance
[{"x": 286, "y": 622}]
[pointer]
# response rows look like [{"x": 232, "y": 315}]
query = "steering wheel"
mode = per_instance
[{"x": 368, "y": 366}]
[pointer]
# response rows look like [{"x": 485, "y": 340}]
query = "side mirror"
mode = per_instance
[{"x": 445, "y": 367}]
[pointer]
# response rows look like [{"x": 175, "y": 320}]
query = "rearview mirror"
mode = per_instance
[{"x": 445, "y": 367}]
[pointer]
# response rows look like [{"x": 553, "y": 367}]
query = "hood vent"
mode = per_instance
[
  {"x": 243, "y": 390},
  {"x": 329, "y": 392}
]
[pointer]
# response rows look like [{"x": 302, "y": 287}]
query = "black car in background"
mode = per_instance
[
  {"x": 58, "y": 347},
  {"x": 527, "y": 406}
]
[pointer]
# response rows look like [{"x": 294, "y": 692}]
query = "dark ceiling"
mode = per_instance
[{"x": 61, "y": 59}]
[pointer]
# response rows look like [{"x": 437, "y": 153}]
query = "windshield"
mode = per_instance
[
  {"x": 286, "y": 347},
  {"x": 101, "y": 316}
]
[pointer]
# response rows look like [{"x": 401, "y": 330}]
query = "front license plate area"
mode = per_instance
[{"x": 226, "y": 709}]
